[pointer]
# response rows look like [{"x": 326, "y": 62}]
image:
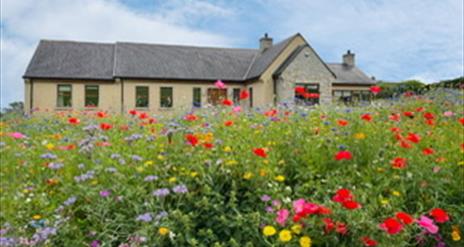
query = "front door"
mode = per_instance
[{"x": 216, "y": 95}]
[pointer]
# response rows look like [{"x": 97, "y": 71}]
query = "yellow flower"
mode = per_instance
[
  {"x": 279, "y": 178},
  {"x": 396, "y": 193},
  {"x": 455, "y": 235},
  {"x": 285, "y": 235},
  {"x": 163, "y": 231},
  {"x": 305, "y": 241},
  {"x": 149, "y": 163},
  {"x": 384, "y": 201},
  {"x": 296, "y": 228},
  {"x": 379, "y": 169},
  {"x": 227, "y": 149},
  {"x": 461, "y": 163},
  {"x": 50, "y": 146},
  {"x": 172, "y": 179},
  {"x": 262, "y": 172},
  {"x": 266, "y": 162},
  {"x": 359, "y": 136},
  {"x": 231, "y": 162},
  {"x": 281, "y": 162},
  {"x": 194, "y": 174},
  {"x": 140, "y": 169},
  {"x": 37, "y": 217},
  {"x": 269, "y": 231},
  {"x": 160, "y": 157},
  {"x": 247, "y": 175}
]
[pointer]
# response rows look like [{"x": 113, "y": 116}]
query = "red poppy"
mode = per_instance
[
  {"x": 399, "y": 163},
  {"x": 395, "y": 129},
  {"x": 73, "y": 120},
  {"x": 105, "y": 126},
  {"x": 190, "y": 117},
  {"x": 227, "y": 102},
  {"x": 395, "y": 117},
  {"x": 368, "y": 241},
  {"x": 461, "y": 120},
  {"x": 244, "y": 94},
  {"x": 143, "y": 115},
  {"x": 429, "y": 116},
  {"x": 152, "y": 120},
  {"x": 260, "y": 152},
  {"x": 440, "y": 215},
  {"x": 413, "y": 138},
  {"x": 408, "y": 94},
  {"x": 342, "y": 122},
  {"x": 208, "y": 145},
  {"x": 343, "y": 155},
  {"x": 405, "y": 218},
  {"x": 228, "y": 123},
  {"x": 351, "y": 205},
  {"x": 271, "y": 113},
  {"x": 420, "y": 109},
  {"x": 367, "y": 117},
  {"x": 391, "y": 226},
  {"x": 329, "y": 225},
  {"x": 428, "y": 151},
  {"x": 375, "y": 89},
  {"x": 405, "y": 144},
  {"x": 408, "y": 114},
  {"x": 300, "y": 90},
  {"x": 133, "y": 112},
  {"x": 101, "y": 114},
  {"x": 191, "y": 139},
  {"x": 342, "y": 195},
  {"x": 341, "y": 228}
]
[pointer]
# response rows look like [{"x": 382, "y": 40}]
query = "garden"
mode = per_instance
[{"x": 390, "y": 173}]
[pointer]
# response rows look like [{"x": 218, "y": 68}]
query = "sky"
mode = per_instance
[{"x": 393, "y": 40}]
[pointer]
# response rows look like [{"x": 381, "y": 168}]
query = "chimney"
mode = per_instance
[
  {"x": 265, "y": 42},
  {"x": 348, "y": 58}
]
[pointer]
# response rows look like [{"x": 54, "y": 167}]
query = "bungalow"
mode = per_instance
[{"x": 117, "y": 77}]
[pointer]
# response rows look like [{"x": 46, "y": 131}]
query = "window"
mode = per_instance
[
  {"x": 250, "y": 92},
  {"x": 91, "y": 96},
  {"x": 236, "y": 95},
  {"x": 216, "y": 95},
  {"x": 166, "y": 97},
  {"x": 310, "y": 96},
  {"x": 141, "y": 97},
  {"x": 197, "y": 97},
  {"x": 64, "y": 98}
]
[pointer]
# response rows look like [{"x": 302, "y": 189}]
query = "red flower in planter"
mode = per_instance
[
  {"x": 227, "y": 102},
  {"x": 375, "y": 89},
  {"x": 300, "y": 90},
  {"x": 73, "y": 120},
  {"x": 342, "y": 195},
  {"x": 391, "y": 226},
  {"x": 399, "y": 162},
  {"x": 413, "y": 137},
  {"x": 343, "y": 155},
  {"x": 405, "y": 218},
  {"x": 440, "y": 215},
  {"x": 368, "y": 241},
  {"x": 260, "y": 152},
  {"x": 191, "y": 139},
  {"x": 244, "y": 94},
  {"x": 105, "y": 126}
]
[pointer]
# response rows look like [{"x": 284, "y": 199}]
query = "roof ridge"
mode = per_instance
[
  {"x": 187, "y": 46},
  {"x": 249, "y": 66},
  {"x": 76, "y": 41}
]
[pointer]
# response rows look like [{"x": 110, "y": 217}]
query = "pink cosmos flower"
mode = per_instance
[
  {"x": 17, "y": 135},
  {"x": 448, "y": 114},
  {"x": 282, "y": 216},
  {"x": 428, "y": 224},
  {"x": 298, "y": 205},
  {"x": 236, "y": 109},
  {"x": 219, "y": 84}
]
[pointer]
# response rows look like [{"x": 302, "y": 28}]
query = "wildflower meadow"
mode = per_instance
[{"x": 388, "y": 173}]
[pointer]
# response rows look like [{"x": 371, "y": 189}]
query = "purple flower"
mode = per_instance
[
  {"x": 136, "y": 158},
  {"x": 70, "y": 201},
  {"x": 105, "y": 193},
  {"x": 150, "y": 178},
  {"x": 4, "y": 241},
  {"x": 48, "y": 156},
  {"x": 161, "y": 192},
  {"x": 265, "y": 198},
  {"x": 276, "y": 203},
  {"x": 55, "y": 166},
  {"x": 144, "y": 217},
  {"x": 180, "y": 189},
  {"x": 95, "y": 243},
  {"x": 269, "y": 209}
]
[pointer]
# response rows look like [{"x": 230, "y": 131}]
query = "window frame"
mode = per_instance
[
  {"x": 147, "y": 97},
  {"x": 301, "y": 100},
  {"x": 250, "y": 92},
  {"x": 85, "y": 96},
  {"x": 196, "y": 99},
  {"x": 236, "y": 95},
  {"x": 58, "y": 96},
  {"x": 171, "y": 103}
]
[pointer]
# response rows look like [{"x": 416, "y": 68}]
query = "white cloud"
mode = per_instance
[{"x": 25, "y": 22}]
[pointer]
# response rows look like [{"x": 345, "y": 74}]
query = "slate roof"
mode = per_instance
[
  {"x": 349, "y": 74},
  {"x": 85, "y": 60}
]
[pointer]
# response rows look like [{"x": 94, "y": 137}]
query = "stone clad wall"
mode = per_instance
[{"x": 305, "y": 68}]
